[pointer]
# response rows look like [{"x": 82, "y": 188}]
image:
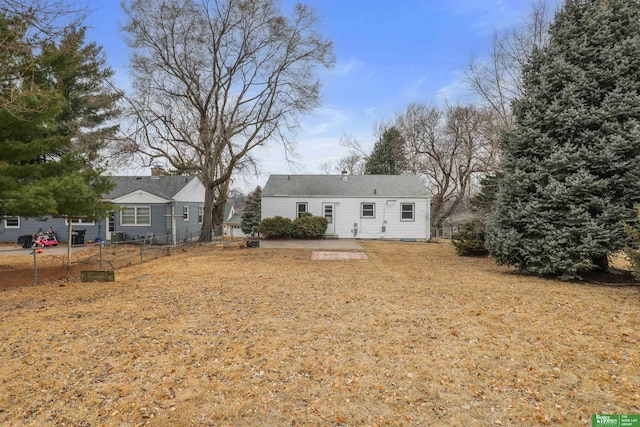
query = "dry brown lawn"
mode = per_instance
[{"x": 413, "y": 335}]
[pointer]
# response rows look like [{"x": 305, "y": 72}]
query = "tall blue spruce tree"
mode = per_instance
[{"x": 572, "y": 164}]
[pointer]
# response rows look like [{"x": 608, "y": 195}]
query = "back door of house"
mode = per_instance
[{"x": 329, "y": 211}]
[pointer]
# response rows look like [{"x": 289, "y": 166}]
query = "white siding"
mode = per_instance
[
  {"x": 193, "y": 192},
  {"x": 347, "y": 213}
]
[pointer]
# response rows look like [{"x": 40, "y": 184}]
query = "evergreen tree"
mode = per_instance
[
  {"x": 43, "y": 169},
  {"x": 252, "y": 212},
  {"x": 77, "y": 70},
  {"x": 387, "y": 155},
  {"x": 572, "y": 164}
]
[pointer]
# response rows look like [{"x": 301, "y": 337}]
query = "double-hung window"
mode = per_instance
[
  {"x": 301, "y": 207},
  {"x": 367, "y": 210},
  {"x": 135, "y": 215},
  {"x": 200, "y": 214},
  {"x": 11, "y": 222},
  {"x": 407, "y": 211},
  {"x": 185, "y": 213}
]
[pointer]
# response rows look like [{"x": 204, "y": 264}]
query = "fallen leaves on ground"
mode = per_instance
[{"x": 413, "y": 335}]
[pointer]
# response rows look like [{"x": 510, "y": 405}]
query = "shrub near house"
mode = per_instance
[{"x": 305, "y": 227}]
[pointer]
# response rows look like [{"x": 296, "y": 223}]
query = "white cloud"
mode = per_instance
[
  {"x": 416, "y": 88},
  {"x": 343, "y": 68},
  {"x": 456, "y": 91}
]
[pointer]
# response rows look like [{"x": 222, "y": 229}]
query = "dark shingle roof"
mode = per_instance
[
  {"x": 354, "y": 186},
  {"x": 162, "y": 186}
]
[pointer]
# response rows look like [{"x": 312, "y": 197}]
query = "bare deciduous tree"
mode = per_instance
[
  {"x": 498, "y": 80},
  {"x": 215, "y": 79},
  {"x": 449, "y": 149}
]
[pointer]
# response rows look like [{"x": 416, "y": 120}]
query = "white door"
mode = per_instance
[
  {"x": 110, "y": 226},
  {"x": 329, "y": 212}
]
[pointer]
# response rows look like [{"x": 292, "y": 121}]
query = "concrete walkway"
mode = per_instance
[{"x": 327, "y": 245}]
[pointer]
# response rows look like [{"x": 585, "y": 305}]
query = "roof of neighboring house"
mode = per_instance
[
  {"x": 161, "y": 186},
  {"x": 353, "y": 186},
  {"x": 235, "y": 219}
]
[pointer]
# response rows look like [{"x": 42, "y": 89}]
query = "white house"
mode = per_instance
[
  {"x": 356, "y": 206},
  {"x": 231, "y": 225}
]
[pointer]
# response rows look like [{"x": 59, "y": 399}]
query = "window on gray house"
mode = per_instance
[
  {"x": 12, "y": 222},
  {"x": 135, "y": 215}
]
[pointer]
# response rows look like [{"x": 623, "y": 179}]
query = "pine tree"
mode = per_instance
[
  {"x": 43, "y": 168},
  {"x": 252, "y": 212},
  {"x": 386, "y": 157},
  {"x": 572, "y": 164}
]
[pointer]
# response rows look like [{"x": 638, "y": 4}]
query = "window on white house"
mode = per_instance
[
  {"x": 185, "y": 213},
  {"x": 200, "y": 214},
  {"x": 11, "y": 222},
  {"x": 135, "y": 215},
  {"x": 368, "y": 210},
  {"x": 301, "y": 207},
  {"x": 407, "y": 211}
]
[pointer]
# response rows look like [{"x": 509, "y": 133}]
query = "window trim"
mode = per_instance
[
  {"x": 200, "y": 214},
  {"x": 185, "y": 213},
  {"x": 324, "y": 212},
  {"x": 413, "y": 212},
  {"x": 6, "y": 225},
  {"x": 78, "y": 221},
  {"x": 298, "y": 205},
  {"x": 373, "y": 210},
  {"x": 135, "y": 216}
]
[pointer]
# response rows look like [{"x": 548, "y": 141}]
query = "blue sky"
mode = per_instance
[{"x": 388, "y": 54}]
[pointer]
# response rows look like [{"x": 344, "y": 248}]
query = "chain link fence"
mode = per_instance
[{"x": 20, "y": 267}]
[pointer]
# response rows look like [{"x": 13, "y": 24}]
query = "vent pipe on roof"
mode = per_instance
[{"x": 345, "y": 176}]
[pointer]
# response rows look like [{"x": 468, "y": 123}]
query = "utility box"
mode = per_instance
[{"x": 117, "y": 236}]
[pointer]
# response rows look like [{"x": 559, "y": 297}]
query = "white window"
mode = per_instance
[
  {"x": 200, "y": 214},
  {"x": 407, "y": 211},
  {"x": 301, "y": 207},
  {"x": 11, "y": 222},
  {"x": 135, "y": 215},
  {"x": 185, "y": 213},
  {"x": 368, "y": 210},
  {"x": 328, "y": 213},
  {"x": 79, "y": 221}
]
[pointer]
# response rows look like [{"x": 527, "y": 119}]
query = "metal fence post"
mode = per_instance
[
  {"x": 141, "y": 249},
  {"x": 101, "y": 245},
  {"x": 35, "y": 266}
]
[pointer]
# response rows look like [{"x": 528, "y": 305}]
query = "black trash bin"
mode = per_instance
[
  {"x": 77, "y": 237},
  {"x": 26, "y": 241}
]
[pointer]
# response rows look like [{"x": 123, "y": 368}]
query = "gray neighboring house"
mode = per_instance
[
  {"x": 171, "y": 208},
  {"x": 356, "y": 206}
]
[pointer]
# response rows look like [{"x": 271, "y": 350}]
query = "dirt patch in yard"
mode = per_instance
[
  {"x": 337, "y": 256},
  {"x": 413, "y": 335}
]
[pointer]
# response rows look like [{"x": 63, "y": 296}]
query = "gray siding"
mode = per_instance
[
  {"x": 160, "y": 222},
  {"x": 30, "y": 226},
  {"x": 189, "y": 229}
]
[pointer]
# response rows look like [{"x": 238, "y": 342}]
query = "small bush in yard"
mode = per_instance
[
  {"x": 470, "y": 240},
  {"x": 310, "y": 227},
  {"x": 276, "y": 227}
]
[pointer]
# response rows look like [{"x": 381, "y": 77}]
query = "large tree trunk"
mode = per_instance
[{"x": 207, "y": 220}]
